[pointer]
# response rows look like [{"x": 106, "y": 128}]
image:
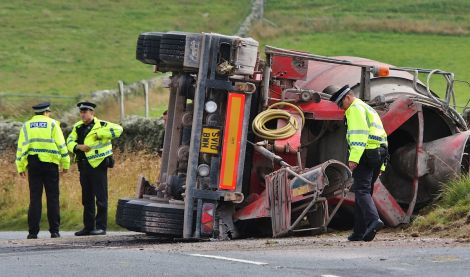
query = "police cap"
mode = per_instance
[
  {"x": 338, "y": 96},
  {"x": 42, "y": 107},
  {"x": 86, "y": 106}
]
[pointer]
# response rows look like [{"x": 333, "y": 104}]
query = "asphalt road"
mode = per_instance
[{"x": 329, "y": 255}]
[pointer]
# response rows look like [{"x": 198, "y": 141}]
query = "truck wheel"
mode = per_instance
[
  {"x": 153, "y": 218},
  {"x": 148, "y": 48},
  {"x": 172, "y": 48}
]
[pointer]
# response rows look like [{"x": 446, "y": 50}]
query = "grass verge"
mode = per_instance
[
  {"x": 450, "y": 216},
  {"x": 14, "y": 191}
]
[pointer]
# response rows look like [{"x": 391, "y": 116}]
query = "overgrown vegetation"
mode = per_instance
[
  {"x": 450, "y": 216},
  {"x": 14, "y": 191}
]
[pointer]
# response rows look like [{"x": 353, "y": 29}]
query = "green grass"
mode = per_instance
[
  {"x": 57, "y": 47},
  {"x": 432, "y": 51},
  {"x": 442, "y": 16},
  {"x": 71, "y": 48},
  {"x": 425, "y": 34},
  {"x": 451, "y": 214}
]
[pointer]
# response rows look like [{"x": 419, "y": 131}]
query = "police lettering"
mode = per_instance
[{"x": 38, "y": 125}]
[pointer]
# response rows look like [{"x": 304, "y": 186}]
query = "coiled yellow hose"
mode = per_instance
[{"x": 259, "y": 123}]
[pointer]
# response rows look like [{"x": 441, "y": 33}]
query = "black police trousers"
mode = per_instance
[
  {"x": 43, "y": 175},
  {"x": 365, "y": 175},
  {"x": 94, "y": 182}
]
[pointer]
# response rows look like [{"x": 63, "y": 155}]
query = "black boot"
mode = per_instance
[{"x": 82, "y": 232}]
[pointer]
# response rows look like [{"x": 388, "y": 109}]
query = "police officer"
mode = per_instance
[
  {"x": 367, "y": 142},
  {"x": 41, "y": 149},
  {"x": 90, "y": 140}
]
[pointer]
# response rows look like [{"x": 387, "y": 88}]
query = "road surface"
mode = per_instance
[{"x": 128, "y": 254}]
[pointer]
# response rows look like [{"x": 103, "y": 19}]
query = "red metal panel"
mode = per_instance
[
  {"x": 283, "y": 67},
  {"x": 256, "y": 209},
  {"x": 388, "y": 208},
  {"x": 321, "y": 74},
  {"x": 400, "y": 111}
]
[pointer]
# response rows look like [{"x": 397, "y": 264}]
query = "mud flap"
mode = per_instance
[{"x": 279, "y": 197}]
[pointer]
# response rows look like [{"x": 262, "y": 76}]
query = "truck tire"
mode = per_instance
[
  {"x": 153, "y": 218},
  {"x": 172, "y": 48},
  {"x": 148, "y": 48}
]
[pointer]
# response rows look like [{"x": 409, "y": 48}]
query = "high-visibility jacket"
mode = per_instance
[
  {"x": 365, "y": 130},
  {"x": 41, "y": 136},
  {"x": 98, "y": 139}
]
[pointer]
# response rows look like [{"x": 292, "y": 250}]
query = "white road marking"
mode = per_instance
[
  {"x": 228, "y": 259},
  {"x": 326, "y": 275}
]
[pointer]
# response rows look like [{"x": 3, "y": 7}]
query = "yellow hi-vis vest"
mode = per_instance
[
  {"x": 365, "y": 129},
  {"x": 98, "y": 139},
  {"x": 41, "y": 136}
]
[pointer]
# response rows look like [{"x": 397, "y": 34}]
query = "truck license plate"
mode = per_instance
[{"x": 210, "y": 140}]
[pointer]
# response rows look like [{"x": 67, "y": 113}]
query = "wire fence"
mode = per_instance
[{"x": 17, "y": 106}]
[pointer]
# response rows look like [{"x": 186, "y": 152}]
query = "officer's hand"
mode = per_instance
[
  {"x": 23, "y": 174},
  {"x": 352, "y": 165},
  {"x": 83, "y": 147}
]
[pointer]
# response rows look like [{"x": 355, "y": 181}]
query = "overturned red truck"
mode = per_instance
[{"x": 255, "y": 147}]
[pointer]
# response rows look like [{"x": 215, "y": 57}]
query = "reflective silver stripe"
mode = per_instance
[
  {"x": 25, "y": 133},
  {"x": 358, "y": 132},
  {"x": 38, "y": 140},
  {"x": 373, "y": 124},
  {"x": 52, "y": 129},
  {"x": 100, "y": 145},
  {"x": 62, "y": 146},
  {"x": 19, "y": 150}
]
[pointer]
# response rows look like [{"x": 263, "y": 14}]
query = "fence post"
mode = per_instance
[
  {"x": 146, "y": 94},
  {"x": 121, "y": 94}
]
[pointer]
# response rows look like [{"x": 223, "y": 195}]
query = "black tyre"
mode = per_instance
[
  {"x": 150, "y": 217},
  {"x": 148, "y": 48},
  {"x": 172, "y": 48}
]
